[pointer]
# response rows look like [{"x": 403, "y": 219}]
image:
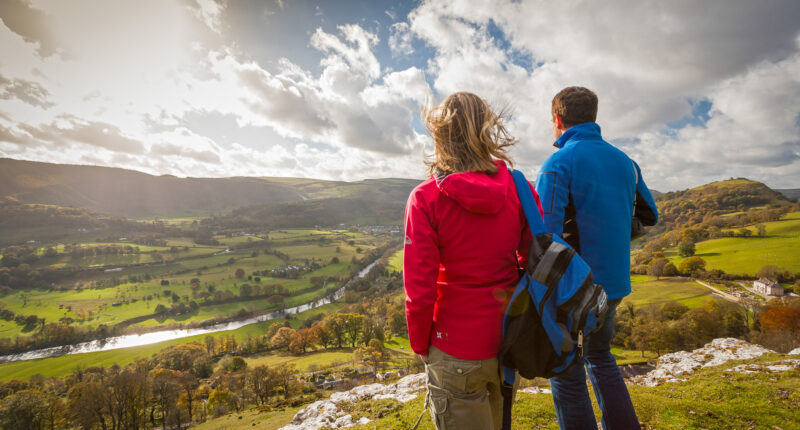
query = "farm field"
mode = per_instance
[
  {"x": 646, "y": 290},
  {"x": 396, "y": 261},
  {"x": 747, "y": 255},
  {"x": 138, "y": 285}
]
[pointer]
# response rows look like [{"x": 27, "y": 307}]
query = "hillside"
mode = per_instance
[
  {"x": 309, "y": 213},
  {"x": 779, "y": 247},
  {"x": 733, "y": 195},
  {"x": 134, "y": 194},
  {"x": 727, "y": 383}
]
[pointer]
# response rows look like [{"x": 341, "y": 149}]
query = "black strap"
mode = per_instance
[{"x": 508, "y": 398}]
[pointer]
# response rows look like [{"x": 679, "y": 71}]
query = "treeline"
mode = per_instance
[
  {"x": 310, "y": 213},
  {"x": 13, "y": 215},
  {"x": 173, "y": 389},
  {"x": 672, "y": 326}
]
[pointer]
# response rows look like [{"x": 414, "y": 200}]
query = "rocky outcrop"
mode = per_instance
[
  {"x": 671, "y": 367},
  {"x": 328, "y": 414}
]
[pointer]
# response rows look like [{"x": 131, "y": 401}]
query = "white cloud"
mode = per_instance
[
  {"x": 400, "y": 38},
  {"x": 210, "y": 12},
  {"x": 646, "y": 60},
  {"x": 98, "y": 85}
]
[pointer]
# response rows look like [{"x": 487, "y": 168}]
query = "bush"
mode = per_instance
[
  {"x": 692, "y": 266},
  {"x": 686, "y": 248}
]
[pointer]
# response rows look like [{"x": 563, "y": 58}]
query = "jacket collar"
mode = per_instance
[{"x": 589, "y": 130}]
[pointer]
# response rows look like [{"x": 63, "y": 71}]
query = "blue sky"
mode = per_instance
[{"x": 695, "y": 92}]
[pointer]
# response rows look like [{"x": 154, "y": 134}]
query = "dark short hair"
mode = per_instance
[{"x": 575, "y": 105}]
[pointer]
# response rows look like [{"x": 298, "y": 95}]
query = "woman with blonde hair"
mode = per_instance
[{"x": 466, "y": 237}]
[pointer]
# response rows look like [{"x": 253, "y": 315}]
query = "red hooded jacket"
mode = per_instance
[{"x": 465, "y": 235}]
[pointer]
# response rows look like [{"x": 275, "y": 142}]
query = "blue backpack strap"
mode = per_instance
[
  {"x": 536, "y": 226},
  {"x": 528, "y": 203}
]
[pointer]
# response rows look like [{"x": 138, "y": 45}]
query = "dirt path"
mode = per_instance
[{"x": 724, "y": 295}]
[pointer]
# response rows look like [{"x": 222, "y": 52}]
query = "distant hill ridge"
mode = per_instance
[
  {"x": 717, "y": 198},
  {"x": 792, "y": 193},
  {"x": 135, "y": 194}
]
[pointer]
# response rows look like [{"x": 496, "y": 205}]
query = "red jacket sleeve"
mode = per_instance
[
  {"x": 420, "y": 270},
  {"x": 525, "y": 241}
]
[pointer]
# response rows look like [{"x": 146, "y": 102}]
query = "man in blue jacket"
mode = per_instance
[{"x": 588, "y": 189}]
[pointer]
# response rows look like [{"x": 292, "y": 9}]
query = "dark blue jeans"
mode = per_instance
[{"x": 571, "y": 396}]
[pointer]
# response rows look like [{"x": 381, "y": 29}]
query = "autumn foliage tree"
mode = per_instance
[{"x": 781, "y": 318}]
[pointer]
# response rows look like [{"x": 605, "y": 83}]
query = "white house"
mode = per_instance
[{"x": 768, "y": 287}]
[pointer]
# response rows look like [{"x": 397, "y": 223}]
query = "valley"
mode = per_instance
[{"x": 291, "y": 289}]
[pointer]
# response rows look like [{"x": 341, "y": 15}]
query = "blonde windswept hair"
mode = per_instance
[{"x": 467, "y": 134}]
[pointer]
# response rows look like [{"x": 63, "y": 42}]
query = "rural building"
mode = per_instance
[{"x": 768, "y": 287}]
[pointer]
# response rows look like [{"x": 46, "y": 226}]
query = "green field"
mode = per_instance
[
  {"x": 251, "y": 418},
  {"x": 646, "y": 290},
  {"x": 90, "y": 307},
  {"x": 747, "y": 255},
  {"x": 396, "y": 261}
]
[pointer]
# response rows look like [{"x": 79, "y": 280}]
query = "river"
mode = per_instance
[{"x": 130, "y": 340}]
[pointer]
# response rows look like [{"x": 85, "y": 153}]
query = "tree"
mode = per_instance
[
  {"x": 322, "y": 334},
  {"x": 23, "y": 410},
  {"x": 781, "y": 318},
  {"x": 735, "y": 324},
  {"x": 211, "y": 345},
  {"x": 769, "y": 271},
  {"x": 373, "y": 354},
  {"x": 397, "y": 322},
  {"x": 656, "y": 267},
  {"x": 166, "y": 390},
  {"x": 670, "y": 270},
  {"x": 745, "y": 232},
  {"x": 692, "y": 265},
  {"x": 239, "y": 273},
  {"x": 353, "y": 326},
  {"x": 761, "y": 229},
  {"x": 86, "y": 404},
  {"x": 282, "y": 338},
  {"x": 673, "y": 310},
  {"x": 301, "y": 340},
  {"x": 686, "y": 248},
  {"x": 284, "y": 374},
  {"x": 335, "y": 323},
  {"x": 245, "y": 291},
  {"x": 220, "y": 401},
  {"x": 263, "y": 381}
]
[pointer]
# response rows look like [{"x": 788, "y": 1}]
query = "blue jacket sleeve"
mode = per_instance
[
  {"x": 645, "y": 204},
  {"x": 552, "y": 185}
]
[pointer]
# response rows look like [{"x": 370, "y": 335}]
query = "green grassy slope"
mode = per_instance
[
  {"x": 746, "y": 255},
  {"x": 646, "y": 290},
  {"x": 712, "y": 398}
]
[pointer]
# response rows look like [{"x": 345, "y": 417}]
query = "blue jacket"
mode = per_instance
[{"x": 587, "y": 193}]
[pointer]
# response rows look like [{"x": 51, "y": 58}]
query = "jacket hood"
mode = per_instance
[
  {"x": 590, "y": 130},
  {"x": 480, "y": 193}
]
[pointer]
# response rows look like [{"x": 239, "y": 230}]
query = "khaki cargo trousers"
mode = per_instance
[{"x": 464, "y": 394}]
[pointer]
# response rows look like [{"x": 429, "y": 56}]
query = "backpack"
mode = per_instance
[{"x": 554, "y": 307}]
